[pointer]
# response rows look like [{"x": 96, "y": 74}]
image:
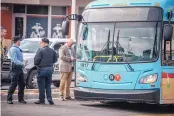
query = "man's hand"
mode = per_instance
[{"x": 73, "y": 59}]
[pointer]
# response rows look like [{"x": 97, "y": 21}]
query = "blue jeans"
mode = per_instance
[{"x": 44, "y": 80}]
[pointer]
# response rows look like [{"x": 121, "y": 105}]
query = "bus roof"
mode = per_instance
[{"x": 166, "y": 5}]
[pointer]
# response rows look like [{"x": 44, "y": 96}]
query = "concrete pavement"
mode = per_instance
[
  {"x": 29, "y": 94},
  {"x": 78, "y": 108},
  {"x": 82, "y": 108}
]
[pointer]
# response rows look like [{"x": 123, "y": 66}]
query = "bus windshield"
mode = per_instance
[
  {"x": 119, "y": 41},
  {"x": 123, "y": 14}
]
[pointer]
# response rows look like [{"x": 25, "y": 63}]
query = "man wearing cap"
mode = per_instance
[
  {"x": 66, "y": 59},
  {"x": 17, "y": 76},
  {"x": 44, "y": 60}
]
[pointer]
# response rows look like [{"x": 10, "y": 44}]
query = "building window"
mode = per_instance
[
  {"x": 37, "y": 21},
  {"x": 56, "y": 27},
  {"x": 18, "y": 8},
  {"x": 37, "y": 26},
  {"x": 57, "y": 16},
  {"x": 56, "y": 10},
  {"x": 32, "y": 9},
  {"x": 19, "y": 25}
]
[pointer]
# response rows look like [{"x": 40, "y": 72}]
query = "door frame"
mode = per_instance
[
  {"x": 167, "y": 80},
  {"x": 22, "y": 15}
]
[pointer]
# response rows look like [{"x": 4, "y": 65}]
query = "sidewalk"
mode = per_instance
[
  {"x": 28, "y": 91},
  {"x": 30, "y": 94}
]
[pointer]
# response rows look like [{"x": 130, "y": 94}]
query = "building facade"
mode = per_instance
[{"x": 39, "y": 18}]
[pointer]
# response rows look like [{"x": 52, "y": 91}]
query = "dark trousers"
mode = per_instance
[
  {"x": 17, "y": 78},
  {"x": 44, "y": 80}
]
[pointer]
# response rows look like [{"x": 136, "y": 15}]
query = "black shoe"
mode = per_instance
[
  {"x": 22, "y": 101},
  {"x": 68, "y": 98},
  {"x": 9, "y": 102},
  {"x": 51, "y": 102},
  {"x": 39, "y": 102}
]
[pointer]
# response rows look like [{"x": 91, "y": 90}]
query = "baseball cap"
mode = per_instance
[{"x": 17, "y": 38}]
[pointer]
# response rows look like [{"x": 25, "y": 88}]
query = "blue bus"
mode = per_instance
[{"x": 125, "y": 51}]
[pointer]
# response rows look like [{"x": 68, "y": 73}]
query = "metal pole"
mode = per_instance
[{"x": 73, "y": 22}]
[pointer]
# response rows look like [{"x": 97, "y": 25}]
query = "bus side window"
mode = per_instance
[{"x": 167, "y": 58}]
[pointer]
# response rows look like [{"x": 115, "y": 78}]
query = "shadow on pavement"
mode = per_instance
[{"x": 135, "y": 107}]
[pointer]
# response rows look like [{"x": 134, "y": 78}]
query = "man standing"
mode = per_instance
[
  {"x": 3, "y": 42},
  {"x": 44, "y": 60},
  {"x": 66, "y": 58},
  {"x": 17, "y": 76}
]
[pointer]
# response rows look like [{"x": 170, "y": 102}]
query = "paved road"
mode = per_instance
[{"x": 80, "y": 108}]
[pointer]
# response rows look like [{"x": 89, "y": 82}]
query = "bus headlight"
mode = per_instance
[
  {"x": 149, "y": 79},
  {"x": 81, "y": 78}
]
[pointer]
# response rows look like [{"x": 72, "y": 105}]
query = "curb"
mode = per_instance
[
  {"x": 30, "y": 91},
  {"x": 31, "y": 97}
]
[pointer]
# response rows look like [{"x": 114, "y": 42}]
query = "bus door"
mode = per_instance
[{"x": 167, "y": 83}]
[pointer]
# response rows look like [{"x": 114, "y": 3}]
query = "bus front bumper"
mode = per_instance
[{"x": 152, "y": 96}]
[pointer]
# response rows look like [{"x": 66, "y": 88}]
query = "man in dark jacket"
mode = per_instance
[{"x": 44, "y": 60}]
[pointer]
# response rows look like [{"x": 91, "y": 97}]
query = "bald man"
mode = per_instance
[{"x": 66, "y": 59}]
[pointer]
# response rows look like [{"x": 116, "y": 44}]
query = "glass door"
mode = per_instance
[{"x": 19, "y": 24}]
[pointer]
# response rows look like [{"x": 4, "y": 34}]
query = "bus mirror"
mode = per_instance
[
  {"x": 168, "y": 31},
  {"x": 79, "y": 18},
  {"x": 65, "y": 27}
]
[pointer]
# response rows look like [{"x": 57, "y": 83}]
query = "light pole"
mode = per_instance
[{"x": 73, "y": 22}]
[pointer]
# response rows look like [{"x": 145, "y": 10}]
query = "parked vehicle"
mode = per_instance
[
  {"x": 29, "y": 47},
  {"x": 5, "y": 68}
]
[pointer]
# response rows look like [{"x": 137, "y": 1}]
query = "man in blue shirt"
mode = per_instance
[{"x": 17, "y": 76}]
